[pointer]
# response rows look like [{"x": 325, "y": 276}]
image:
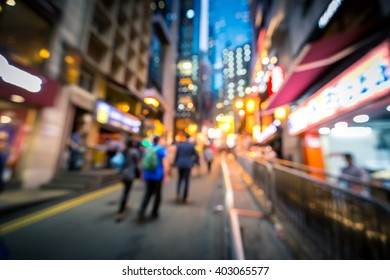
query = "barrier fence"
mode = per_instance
[{"x": 333, "y": 220}]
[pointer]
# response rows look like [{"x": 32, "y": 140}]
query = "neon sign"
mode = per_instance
[
  {"x": 367, "y": 79},
  {"x": 107, "y": 114},
  {"x": 17, "y": 77},
  {"x": 329, "y": 13}
]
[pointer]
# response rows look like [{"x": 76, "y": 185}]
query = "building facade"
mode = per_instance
[{"x": 97, "y": 55}]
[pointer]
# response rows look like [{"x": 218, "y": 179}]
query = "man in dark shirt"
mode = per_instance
[{"x": 185, "y": 157}]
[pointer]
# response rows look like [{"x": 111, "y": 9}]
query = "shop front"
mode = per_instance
[
  {"x": 350, "y": 114},
  {"x": 27, "y": 99},
  {"x": 115, "y": 128}
]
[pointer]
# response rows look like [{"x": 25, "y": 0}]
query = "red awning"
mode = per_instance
[{"x": 313, "y": 61}]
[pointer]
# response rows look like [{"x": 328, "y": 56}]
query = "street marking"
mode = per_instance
[
  {"x": 54, "y": 210},
  {"x": 238, "y": 247},
  {"x": 248, "y": 213}
]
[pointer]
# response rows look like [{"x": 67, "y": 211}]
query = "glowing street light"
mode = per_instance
[{"x": 239, "y": 104}]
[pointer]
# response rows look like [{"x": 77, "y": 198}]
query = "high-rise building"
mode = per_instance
[
  {"x": 187, "y": 98},
  {"x": 236, "y": 76},
  {"x": 162, "y": 66}
]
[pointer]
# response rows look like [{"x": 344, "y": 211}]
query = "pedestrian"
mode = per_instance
[
  {"x": 129, "y": 172},
  {"x": 76, "y": 149},
  {"x": 3, "y": 156},
  {"x": 208, "y": 155},
  {"x": 186, "y": 156},
  {"x": 352, "y": 171},
  {"x": 155, "y": 171}
]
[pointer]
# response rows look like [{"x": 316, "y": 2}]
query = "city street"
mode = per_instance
[
  {"x": 89, "y": 230},
  {"x": 85, "y": 228}
]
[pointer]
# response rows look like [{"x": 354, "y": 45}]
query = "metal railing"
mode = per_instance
[{"x": 337, "y": 223}]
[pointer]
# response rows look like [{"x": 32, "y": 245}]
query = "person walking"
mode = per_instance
[
  {"x": 186, "y": 156},
  {"x": 129, "y": 172},
  {"x": 76, "y": 149},
  {"x": 155, "y": 171},
  {"x": 208, "y": 155},
  {"x": 4, "y": 152}
]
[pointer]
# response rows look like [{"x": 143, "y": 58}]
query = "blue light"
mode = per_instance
[{"x": 190, "y": 14}]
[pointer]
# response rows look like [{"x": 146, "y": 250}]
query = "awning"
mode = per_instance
[{"x": 313, "y": 61}]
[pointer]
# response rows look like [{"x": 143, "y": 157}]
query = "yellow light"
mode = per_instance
[
  {"x": 69, "y": 59},
  {"x": 241, "y": 113},
  {"x": 225, "y": 126},
  {"x": 102, "y": 116},
  {"x": 192, "y": 129},
  {"x": 161, "y": 4},
  {"x": 190, "y": 86},
  {"x": 219, "y": 105},
  {"x": 44, "y": 53},
  {"x": 17, "y": 98},
  {"x": 152, "y": 101},
  {"x": 280, "y": 113},
  {"x": 274, "y": 60},
  {"x": 11, "y": 3},
  {"x": 265, "y": 60},
  {"x": 256, "y": 131},
  {"x": 248, "y": 90},
  {"x": 250, "y": 106},
  {"x": 185, "y": 81},
  {"x": 123, "y": 106},
  {"x": 5, "y": 119},
  {"x": 239, "y": 104},
  {"x": 190, "y": 105}
]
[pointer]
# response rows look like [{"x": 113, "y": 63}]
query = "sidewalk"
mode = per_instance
[
  {"x": 14, "y": 200},
  {"x": 262, "y": 237},
  {"x": 60, "y": 186}
]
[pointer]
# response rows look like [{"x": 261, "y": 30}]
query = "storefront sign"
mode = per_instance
[
  {"x": 17, "y": 77},
  {"x": 107, "y": 114},
  {"x": 366, "y": 80},
  {"x": 28, "y": 83},
  {"x": 268, "y": 132},
  {"x": 329, "y": 13}
]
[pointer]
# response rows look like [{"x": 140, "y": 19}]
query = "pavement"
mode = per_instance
[
  {"x": 262, "y": 235},
  {"x": 15, "y": 200}
]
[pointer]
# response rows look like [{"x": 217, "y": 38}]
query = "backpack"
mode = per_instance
[
  {"x": 150, "y": 159},
  {"x": 118, "y": 160}
]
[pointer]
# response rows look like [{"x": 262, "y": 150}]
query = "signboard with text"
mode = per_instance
[
  {"x": 107, "y": 114},
  {"x": 366, "y": 80}
]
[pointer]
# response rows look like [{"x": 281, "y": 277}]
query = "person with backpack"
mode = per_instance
[
  {"x": 128, "y": 172},
  {"x": 186, "y": 156},
  {"x": 155, "y": 170}
]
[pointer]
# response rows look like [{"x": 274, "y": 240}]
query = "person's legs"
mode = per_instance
[
  {"x": 148, "y": 194},
  {"x": 126, "y": 190},
  {"x": 187, "y": 174},
  {"x": 179, "y": 180},
  {"x": 209, "y": 166},
  {"x": 157, "y": 199},
  {"x": 72, "y": 161}
]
